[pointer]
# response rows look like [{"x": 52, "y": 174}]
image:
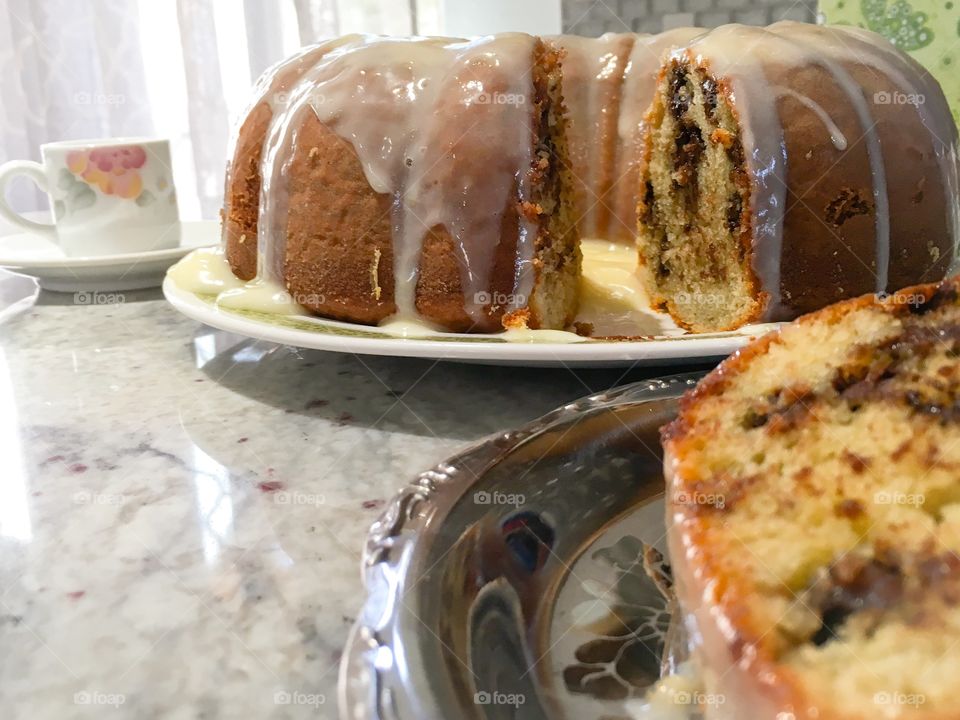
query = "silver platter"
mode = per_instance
[{"x": 508, "y": 582}]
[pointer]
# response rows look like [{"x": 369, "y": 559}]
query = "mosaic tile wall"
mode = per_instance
[{"x": 595, "y": 17}]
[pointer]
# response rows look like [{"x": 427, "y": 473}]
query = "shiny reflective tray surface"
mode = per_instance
[{"x": 509, "y": 581}]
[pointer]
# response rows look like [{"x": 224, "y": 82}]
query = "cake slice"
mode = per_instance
[{"x": 813, "y": 492}]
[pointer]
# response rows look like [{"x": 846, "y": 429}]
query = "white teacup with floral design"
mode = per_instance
[{"x": 111, "y": 196}]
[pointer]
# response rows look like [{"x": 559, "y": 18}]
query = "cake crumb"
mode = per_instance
[
  {"x": 517, "y": 320},
  {"x": 722, "y": 137},
  {"x": 848, "y": 203},
  {"x": 531, "y": 210}
]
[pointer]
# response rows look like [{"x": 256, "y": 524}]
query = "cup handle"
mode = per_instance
[{"x": 35, "y": 172}]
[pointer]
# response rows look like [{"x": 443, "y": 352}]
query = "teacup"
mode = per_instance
[{"x": 110, "y": 196}]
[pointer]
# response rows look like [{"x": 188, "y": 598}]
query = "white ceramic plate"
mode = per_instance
[
  {"x": 322, "y": 334},
  {"x": 37, "y": 257}
]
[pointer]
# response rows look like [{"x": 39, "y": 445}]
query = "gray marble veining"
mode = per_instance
[{"x": 182, "y": 510}]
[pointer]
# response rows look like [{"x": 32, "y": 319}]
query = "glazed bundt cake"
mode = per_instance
[
  {"x": 813, "y": 492},
  {"x": 763, "y": 173},
  {"x": 790, "y": 167},
  {"x": 427, "y": 177}
]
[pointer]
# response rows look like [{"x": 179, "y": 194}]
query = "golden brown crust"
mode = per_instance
[
  {"x": 242, "y": 195},
  {"x": 717, "y": 587},
  {"x": 715, "y": 383},
  {"x": 339, "y": 228},
  {"x": 243, "y": 181},
  {"x": 337, "y": 225},
  {"x": 338, "y": 231},
  {"x": 900, "y": 303}
]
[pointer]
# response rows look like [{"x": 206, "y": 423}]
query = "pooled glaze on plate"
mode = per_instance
[{"x": 612, "y": 300}]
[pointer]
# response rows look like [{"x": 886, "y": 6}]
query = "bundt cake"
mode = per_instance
[
  {"x": 813, "y": 512},
  {"x": 789, "y": 167},
  {"x": 608, "y": 84},
  {"x": 763, "y": 173},
  {"x": 424, "y": 177}
]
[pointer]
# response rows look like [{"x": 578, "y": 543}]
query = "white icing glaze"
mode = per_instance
[
  {"x": 411, "y": 328},
  {"x": 526, "y": 335},
  {"x": 272, "y": 88},
  {"x": 205, "y": 272},
  {"x": 613, "y": 300},
  {"x": 261, "y": 295},
  {"x": 414, "y": 110},
  {"x": 593, "y": 75},
  {"x": 873, "y": 50},
  {"x": 403, "y": 105},
  {"x": 609, "y": 83},
  {"x": 934, "y": 112},
  {"x": 289, "y": 95},
  {"x": 837, "y": 137}
]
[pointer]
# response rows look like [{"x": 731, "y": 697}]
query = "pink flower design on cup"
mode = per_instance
[{"x": 113, "y": 170}]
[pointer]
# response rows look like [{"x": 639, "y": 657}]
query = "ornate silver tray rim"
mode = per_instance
[{"x": 381, "y": 676}]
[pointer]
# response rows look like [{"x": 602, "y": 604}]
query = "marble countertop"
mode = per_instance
[{"x": 182, "y": 510}]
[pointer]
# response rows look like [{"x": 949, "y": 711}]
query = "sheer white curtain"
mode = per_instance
[{"x": 180, "y": 69}]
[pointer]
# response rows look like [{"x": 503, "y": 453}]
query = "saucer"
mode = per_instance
[{"x": 39, "y": 258}]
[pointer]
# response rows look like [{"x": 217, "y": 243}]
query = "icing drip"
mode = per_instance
[
  {"x": 609, "y": 83},
  {"x": 612, "y": 299},
  {"x": 206, "y": 272},
  {"x": 836, "y": 135},
  {"x": 912, "y": 79},
  {"x": 262, "y": 93},
  {"x": 288, "y": 99},
  {"x": 742, "y": 56},
  {"x": 415, "y": 111},
  {"x": 593, "y": 73},
  {"x": 266, "y": 296},
  {"x": 273, "y": 86}
]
